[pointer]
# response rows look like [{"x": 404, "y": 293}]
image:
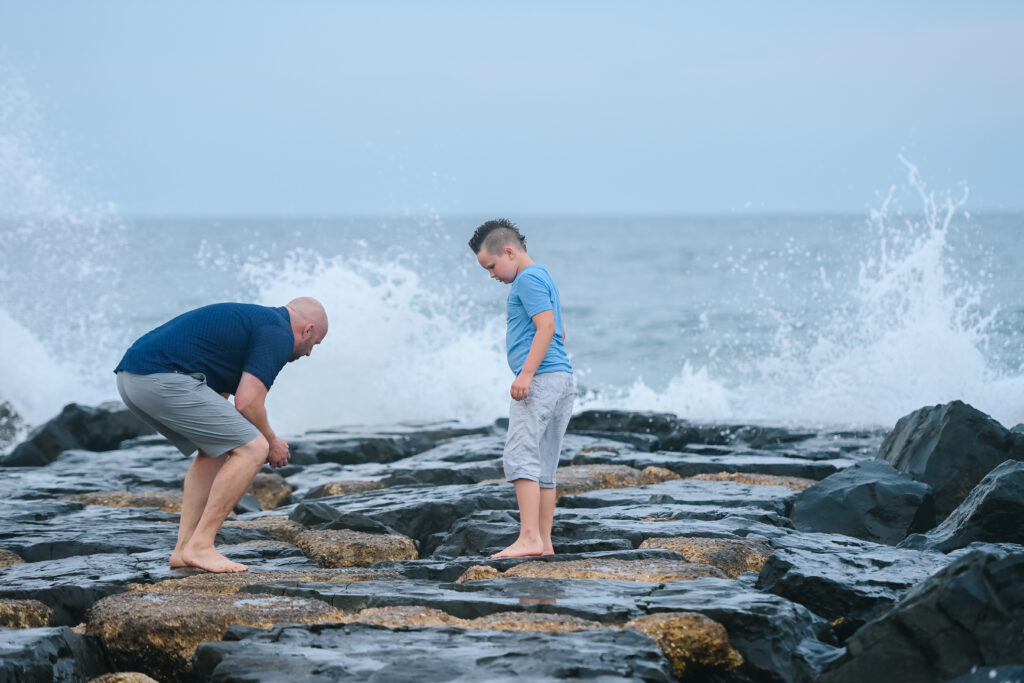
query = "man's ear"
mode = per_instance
[{"x": 308, "y": 329}]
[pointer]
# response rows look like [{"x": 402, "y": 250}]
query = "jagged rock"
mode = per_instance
[
  {"x": 992, "y": 513},
  {"x": 347, "y": 548},
  {"x": 157, "y": 633},
  {"x": 271, "y": 490},
  {"x": 348, "y": 448},
  {"x": 99, "y": 428},
  {"x": 732, "y": 556},
  {"x": 969, "y": 614},
  {"x": 656, "y": 475},
  {"x": 332, "y": 652},
  {"x": 8, "y": 558},
  {"x": 124, "y": 677},
  {"x": 843, "y": 578},
  {"x": 46, "y": 655},
  {"x": 479, "y": 572},
  {"x": 341, "y": 488},
  {"x": 795, "y": 483},
  {"x": 166, "y": 501},
  {"x": 950, "y": 447},
  {"x": 582, "y": 478},
  {"x": 279, "y": 527},
  {"x": 322, "y": 516},
  {"x": 225, "y": 584},
  {"x": 653, "y": 570},
  {"x": 780, "y": 641},
  {"x": 870, "y": 500},
  {"x": 413, "y": 616},
  {"x": 25, "y": 614},
  {"x": 697, "y": 647}
]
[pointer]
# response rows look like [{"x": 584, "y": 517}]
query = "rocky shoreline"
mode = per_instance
[{"x": 685, "y": 551}]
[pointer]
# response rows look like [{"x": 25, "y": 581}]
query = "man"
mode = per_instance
[{"x": 177, "y": 378}]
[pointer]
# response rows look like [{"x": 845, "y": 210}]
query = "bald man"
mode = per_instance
[{"x": 177, "y": 378}]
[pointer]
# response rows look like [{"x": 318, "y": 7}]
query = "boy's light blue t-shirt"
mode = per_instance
[{"x": 533, "y": 291}]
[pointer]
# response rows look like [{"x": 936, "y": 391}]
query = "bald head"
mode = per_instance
[{"x": 309, "y": 324}]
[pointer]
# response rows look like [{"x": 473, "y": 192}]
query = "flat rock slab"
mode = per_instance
[
  {"x": 690, "y": 464},
  {"x": 70, "y": 585},
  {"x": 647, "y": 571},
  {"x": 689, "y": 492},
  {"x": 732, "y": 556},
  {"x": 778, "y": 639},
  {"x": 604, "y": 601},
  {"x": 361, "y": 652},
  {"x": 46, "y": 655}
]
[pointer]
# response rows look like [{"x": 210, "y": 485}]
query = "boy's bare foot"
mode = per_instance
[
  {"x": 521, "y": 548},
  {"x": 176, "y": 561},
  {"x": 548, "y": 549},
  {"x": 210, "y": 560}
]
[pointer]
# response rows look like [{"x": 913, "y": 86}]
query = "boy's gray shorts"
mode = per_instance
[
  {"x": 536, "y": 426},
  {"x": 185, "y": 410}
]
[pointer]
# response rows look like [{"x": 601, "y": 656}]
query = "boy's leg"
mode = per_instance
[
  {"x": 550, "y": 448},
  {"x": 529, "y": 542}
]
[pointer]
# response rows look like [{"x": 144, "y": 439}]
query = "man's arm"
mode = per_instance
[
  {"x": 250, "y": 400},
  {"x": 545, "y": 322}
]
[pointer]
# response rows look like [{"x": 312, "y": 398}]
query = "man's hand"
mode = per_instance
[
  {"x": 521, "y": 386},
  {"x": 279, "y": 454}
]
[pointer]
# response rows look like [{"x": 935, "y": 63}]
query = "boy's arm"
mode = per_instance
[{"x": 545, "y": 322}]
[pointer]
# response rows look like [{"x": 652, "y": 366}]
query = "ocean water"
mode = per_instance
[{"x": 837, "y": 320}]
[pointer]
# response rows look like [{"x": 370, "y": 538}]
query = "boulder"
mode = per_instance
[
  {"x": 9, "y": 558},
  {"x": 992, "y": 513},
  {"x": 732, "y": 555},
  {"x": 271, "y": 490},
  {"x": 697, "y": 647},
  {"x": 93, "y": 428},
  {"x": 25, "y": 614},
  {"x": 46, "y": 655},
  {"x": 870, "y": 500},
  {"x": 652, "y": 570},
  {"x": 333, "y": 652},
  {"x": 970, "y": 614},
  {"x": 347, "y": 548},
  {"x": 950, "y": 447},
  {"x": 843, "y": 579},
  {"x": 414, "y": 616},
  {"x": 157, "y": 633}
]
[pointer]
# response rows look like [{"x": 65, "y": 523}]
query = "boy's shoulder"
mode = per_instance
[{"x": 536, "y": 273}]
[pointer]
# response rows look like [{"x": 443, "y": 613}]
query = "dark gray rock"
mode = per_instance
[
  {"x": 969, "y": 614},
  {"x": 870, "y": 500},
  {"x": 779, "y": 639},
  {"x": 49, "y": 655},
  {"x": 992, "y": 513},
  {"x": 688, "y": 464},
  {"x": 842, "y": 578},
  {"x": 351, "y": 447},
  {"x": 314, "y": 515},
  {"x": 724, "y": 494},
  {"x": 950, "y": 447},
  {"x": 605, "y": 601},
  {"x": 1018, "y": 428},
  {"x": 93, "y": 428},
  {"x": 332, "y": 652}
]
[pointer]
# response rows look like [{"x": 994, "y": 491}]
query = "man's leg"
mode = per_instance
[
  {"x": 528, "y": 494},
  {"x": 197, "y": 491},
  {"x": 229, "y": 485}
]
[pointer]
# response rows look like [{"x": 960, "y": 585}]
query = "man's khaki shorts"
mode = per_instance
[{"x": 185, "y": 410}]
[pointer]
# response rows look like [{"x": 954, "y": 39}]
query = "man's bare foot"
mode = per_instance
[
  {"x": 211, "y": 560},
  {"x": 521, "y": 548}
]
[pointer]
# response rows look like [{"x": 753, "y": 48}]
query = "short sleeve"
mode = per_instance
[
  {"x": 270, "y": 347},
  {"x": 535, "y": 294}
]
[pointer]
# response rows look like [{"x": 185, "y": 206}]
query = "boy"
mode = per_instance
[{"x": 543, "y": 390}]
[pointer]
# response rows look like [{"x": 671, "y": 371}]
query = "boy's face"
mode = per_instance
[{"x": 501, "y": 267}]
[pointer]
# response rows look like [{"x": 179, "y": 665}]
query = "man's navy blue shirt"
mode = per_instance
[{"x": 220, "y": 341}]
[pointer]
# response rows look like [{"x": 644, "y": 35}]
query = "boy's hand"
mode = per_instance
[{"x": 521, "y": 386}]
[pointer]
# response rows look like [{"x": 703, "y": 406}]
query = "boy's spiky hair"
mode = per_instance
[{"x": 495, "y": 234}]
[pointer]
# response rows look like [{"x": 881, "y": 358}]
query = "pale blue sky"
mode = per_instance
[{"x": 320, "y": 108}]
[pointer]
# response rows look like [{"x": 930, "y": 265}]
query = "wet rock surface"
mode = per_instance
[
  {"x": 950, "y": 447},
  {"x": 681, "y": 551},
  {"x": 870, "y": 500},
  {"x": 45, "y": 655}
]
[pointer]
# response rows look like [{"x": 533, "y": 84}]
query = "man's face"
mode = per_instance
[
  {"x": 501, "y": 267},
  {"x": 305, "y": 342}
]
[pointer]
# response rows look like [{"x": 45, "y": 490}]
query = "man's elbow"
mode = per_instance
[{"x": 245, "y": 404}]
